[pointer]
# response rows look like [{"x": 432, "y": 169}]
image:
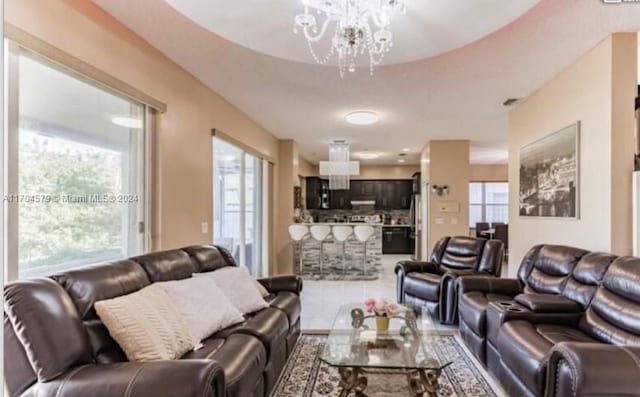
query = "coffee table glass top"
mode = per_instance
[{"x": 354, "y": 341}]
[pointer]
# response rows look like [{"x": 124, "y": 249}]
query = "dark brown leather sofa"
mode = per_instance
[
  {"x": 568, "y": 326},
  {"x": 432, "y": 284},
  {"x": 56, "y": 345}
]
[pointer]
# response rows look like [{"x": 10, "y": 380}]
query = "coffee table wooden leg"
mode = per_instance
[
  {"x": 424, "y": 382},
  {"x": 352, "y": 379}
]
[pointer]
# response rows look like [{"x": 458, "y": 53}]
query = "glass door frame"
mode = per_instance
[{"x": 260, "y": 255}]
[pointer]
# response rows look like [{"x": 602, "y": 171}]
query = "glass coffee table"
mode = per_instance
[{"x": 355, "y": 347}]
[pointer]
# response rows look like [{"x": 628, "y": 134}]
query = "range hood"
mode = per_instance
[{"x": 362, "y": 203}]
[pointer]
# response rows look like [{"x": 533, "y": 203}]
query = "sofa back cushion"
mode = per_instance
[
  {"x": 47, "y": 325},
  {"x": 492, "y": 257},
  {"x": 614, "y": 313},
  {"x": 167, "y": 265},
  {"x": 438, "y": 249},
  {"x": 586, "y": 277},
  {"x": 89, "y": 285},
  {"x": 546, "y": 269},
  {"x": 208, "y": 258},
  {"x": 463, "y": 252}
]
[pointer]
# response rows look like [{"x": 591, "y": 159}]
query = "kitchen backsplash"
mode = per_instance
[{"x": 400, "y": 216}]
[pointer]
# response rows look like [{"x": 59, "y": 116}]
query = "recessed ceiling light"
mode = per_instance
[
  {"x": 127, "y": 122},
  {"x": 368, "y": 155},
  {"x": 361, "y": 117},
  {"x": 406, "y": 149},
  {"x": 400, "y": 160}
]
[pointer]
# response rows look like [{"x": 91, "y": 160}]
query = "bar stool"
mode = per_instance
[
  {"x": 320, "y": 234},
  {"x": 298, "y": 233},
  {"x": 341, "y": 234},
  {"x": 363, "y": 234}
]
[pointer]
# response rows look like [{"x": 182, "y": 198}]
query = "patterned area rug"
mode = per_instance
[{"x": 307, "y": 376}]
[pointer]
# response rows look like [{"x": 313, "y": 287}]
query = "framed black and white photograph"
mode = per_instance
[{"x": 549, "y": 175}]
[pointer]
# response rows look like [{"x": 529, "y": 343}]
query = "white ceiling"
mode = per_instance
[
  {"x": 428, "y": 28},
  {"x": 454, "y": 95}
]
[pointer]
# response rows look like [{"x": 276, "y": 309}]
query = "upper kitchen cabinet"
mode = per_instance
[
  {"x": 363, "y": 190},
  {"x": 340, "y": 199},
  {"x": 317, "y": 193},
  {"x": 393, "y": 194},
  {"x": 388, "y": 194}
]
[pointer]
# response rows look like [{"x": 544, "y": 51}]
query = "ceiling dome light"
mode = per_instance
[
  {"x": 362, "y": 117},
  {"x": 368, "y": 155},
  {"x": 127, "y": 122}
]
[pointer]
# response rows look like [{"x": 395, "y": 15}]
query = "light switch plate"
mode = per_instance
[
  {"x": 454, "y": 221},
  {"x": 439, "y": 221},
  {"x": 204, "y": 227}
]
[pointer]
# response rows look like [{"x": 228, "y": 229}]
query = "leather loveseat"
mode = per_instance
[
  {"x": 56, "y": 345},
  {"x": 432, "y": 284},
  {"x": 568, "y": 326}
]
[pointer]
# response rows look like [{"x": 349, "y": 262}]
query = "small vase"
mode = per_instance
[{"x": 382, "y": 323}]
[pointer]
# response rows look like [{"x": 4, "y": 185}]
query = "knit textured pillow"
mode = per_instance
[{"x": 146, "y": 325}]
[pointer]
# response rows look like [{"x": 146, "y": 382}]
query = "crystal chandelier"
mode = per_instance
[
  {"x": 362, "y": 28},
  {"x": 339, "y": 168}
]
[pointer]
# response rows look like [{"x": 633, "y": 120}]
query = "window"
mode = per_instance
[
  {"x": 238, "y": 204},
  {"x": 488, "y": 202},
  {"x": 76, "y": 169}
]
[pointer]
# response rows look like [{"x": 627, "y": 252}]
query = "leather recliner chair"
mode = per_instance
[
  {"x": 432, "y": 284},
  {"x": 55, "y": 344}
]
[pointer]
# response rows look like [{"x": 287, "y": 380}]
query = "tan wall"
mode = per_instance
[
  {"x": 449, "y": 165},
  {"x": 305, "y": 168},
  {"x": 489, "y": 173},
  {"x": 387, "y": 171},
  {"x": 182, "y": 169},
  {"x": 582, "y": 92},
  {"x": 287, "y": 177}
]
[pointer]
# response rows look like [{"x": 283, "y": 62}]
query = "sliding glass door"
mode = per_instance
[{"x": 237, "y": 203}]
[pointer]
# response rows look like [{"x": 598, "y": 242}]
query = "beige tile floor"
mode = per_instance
[{"x": 321, "y": 299}]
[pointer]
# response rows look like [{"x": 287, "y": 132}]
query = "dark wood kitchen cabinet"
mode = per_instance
[
  {"x": 393, "y": 195},
  {"x": 397, "y": 240},
  {"x": 340, "y": 199},
  {"x": 317, "y": 193},
  {"x": 388, "y": 194}
]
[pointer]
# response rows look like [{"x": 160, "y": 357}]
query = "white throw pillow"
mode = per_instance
[
  {"x": 204, "y": 306},
  {"x": 146, "y": 325},
  {"x": 239, "y": 287}
]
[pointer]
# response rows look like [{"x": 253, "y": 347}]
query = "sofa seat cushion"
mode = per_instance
[
  {"x": 288, "y": 302},
  {"x": 242, "y": 357},
  {"x": 423, "y": 285},
  {"x": 473, "y": 309},
  {"x": 270, "y": 326},
  {"x": 524, "y": 348}
]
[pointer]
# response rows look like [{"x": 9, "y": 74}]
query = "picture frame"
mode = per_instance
[{"x": 549, "y": 175}]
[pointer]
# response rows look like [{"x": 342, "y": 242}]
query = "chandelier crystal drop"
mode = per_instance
[{"x": 362, "y": 29}]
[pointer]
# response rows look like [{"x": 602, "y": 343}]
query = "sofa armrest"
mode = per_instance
[
  {"x": 188, "y": 378},
  {"x": 548, "y": 303},
  {"x": 489, "y": 284},
  {"x": 593, "y": 369},
  {"x": 282, "y": 283},
  {"x": 407, "y": 267}
]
